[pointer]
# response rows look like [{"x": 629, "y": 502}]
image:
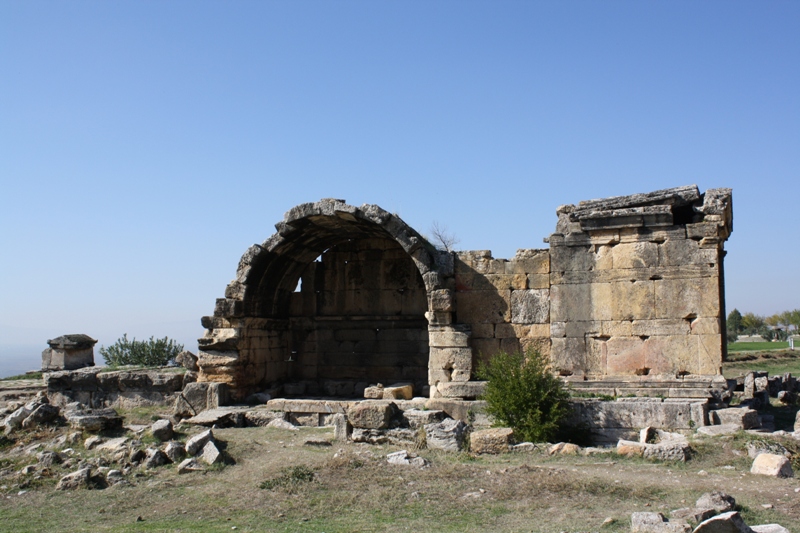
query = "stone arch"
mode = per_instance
[{"x": 248, "y": 342}]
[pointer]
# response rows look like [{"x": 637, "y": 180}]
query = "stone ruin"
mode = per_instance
[
  {"x": 628, "y": 300},
  {"x": 68, "y": 352}
]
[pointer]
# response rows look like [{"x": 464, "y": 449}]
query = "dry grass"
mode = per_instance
[{"x": 353, "y": 489}]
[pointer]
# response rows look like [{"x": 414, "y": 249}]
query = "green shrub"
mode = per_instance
[
  {"x": 153, "y": 352},
  {"x": 522, "y": 394},
  {"x": 289, "y": 478}
]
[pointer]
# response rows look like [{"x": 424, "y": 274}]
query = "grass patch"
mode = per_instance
[
  {"x": 757, "y": 346},
  {"x": 290, "y": 478},
  {"x": 29, "y": 375},
  {"x": 775, "y": 362}
]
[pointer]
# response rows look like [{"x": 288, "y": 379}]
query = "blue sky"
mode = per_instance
[{"x": 145, "y": 145}]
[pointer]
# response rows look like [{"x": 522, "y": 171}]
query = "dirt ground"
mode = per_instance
[{"x": 352, "y": 488}]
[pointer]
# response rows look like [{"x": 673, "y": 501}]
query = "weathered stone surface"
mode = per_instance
[
  {"x": 94, "y": 420},
  {"x": 75, "y": 480},
  {"x": 755, "y": 448},
  {"x": 744, "y": 418},
  {"x": 189, "y": 465},
  {"x": 530, "y": 306},
  {"x": 694, "y": 514},
  {"x": 48, "y": 459},
  {"x": 729, "y": 522},
  {"x": 114, "y": 477},
  {"x": 155, "y": 458},
  {"x": 768, "y": 464},
  {"x": 162, "y": 430},
  {"x": 42, "y": 414},
  {"x": 223, "y": 417},
  {"x": 113, "y": 445},
  {"x": 402, "y": 457},
  {"x": 769, "y": 528},
  {"x": 68, "y": 352},
  {"x": 210, "y": 453},
  {"x": 174, "y": 451},
  {"x": 461, "y": 389},
  {"x": 564, "y": 448},
  {"x": 92, "y": 441},
  {"x": 371, "y": 415},
  {"x": 196, "y": 443},
  {"x": 446, "y": 435},
  {"x": 674, "y": 450},
  {"x": 262, "y": 417},
  {"x": 495, "y": 440},
  {"x": 341, "y": 427},
  {"x": 417, "y": 418},
  {"x": 398, "y": 391},
  {"x": 630, "y": 448},
  {"x": 719, "y": 501},
  {"x": 722, "y": 429},
  {"x": 280, "y": 423},
  {"x": 656, "y": 523},
  {"x": 187, "y": 360}
]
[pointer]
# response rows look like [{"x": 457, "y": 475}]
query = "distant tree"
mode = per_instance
[
  {"x": 752, "y": 324},
  {"x": 734, "y": 322},
  {"x": 443, "y": 239}
]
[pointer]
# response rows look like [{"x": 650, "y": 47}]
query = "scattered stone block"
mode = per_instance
[
  {"x": 196, "y": 443},
  {"x": 371, "y": 415},
  {"x": 716, "y": 431},
  {"x": 717, "y": 500},
  {"x": 221, "y": 417},
  {"x": 155, "y": 458},
  {"x": 48, "y": 459},
  {"x": 693, "y": 514},
  {"x": 406, "y": 459},
  {"x": 446, "y": 435},
  {"x": 94, "y": 420},
  {"x": 211, "y": 454},
  {"x": 162, "y": 430},
  {"x": 417, "y": 418},
  {"x": 656, "y": 523},
  {"x": 564, "y": 448},
  {"x": 769, "y": 528},
  {"x": 75, "y": 480},
  {"x": 68, "y": 352},
  {"x": 495, "y": 440},
  {"x": 768, "y": 464},
  {"x": 398, "y": 391},
  {"x": 113, "y": 445},
  {"x": 341, "y": 427},
  {"x": 261, "y": 417},
  {"x": 190, "y": 465},
  {"x": 672, "y": 450},
  {"x": 174, "y": 451},
  {"x": 742, "y": 417},
  {"x": 630, "y": 448},
  {"x": 754, "y": 448},
  {"x": 374, "y": 392},
  {"x": 280, "y": 423},
  {"x": 114, "y": 477},
  {"x": 187, "y": 360},
  {"x": 729, "y": 522},
  {"x": 27, "y": 470},
  {"x": 41, "y": 415},
  {"x": 92, "y": 441}
]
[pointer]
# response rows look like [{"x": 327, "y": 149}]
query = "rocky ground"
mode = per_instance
[{"x": 74, "y": 469}]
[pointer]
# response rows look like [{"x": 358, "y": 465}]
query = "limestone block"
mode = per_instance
[
  {"x": 596, "y": 362},
  {"x": 558, "y": 329},
  {"x": 630, "y": 448},
  {"x": 768, "y": 464},
  {"x": 625, "y": 355},
  {"x": 672, "y": 354},
  {"x": 174, "y": 451},
  {"x": 582, "y": 329},
  {"x": 656, "y": 523},
  {"x": 211, "y": 454},
  {"x": 451, "y": 358},
  {"x": 447, "y": 435},
  {"x": 616, "y": 328},
  {"x": 374, "y": 393},
  {"x": 371, "y": 415},
  {"x": 729, "y": 522},
  {"x": 538, "y": 281},
  {"x": 568, "y": 356},
  {"x": 196, "y": 443},
  {"x": 468, "y": 390},
  {"x": 482, "y": 331},
  {"x": 631, "y": 301},
  {"x": 571, "y": 258},
  {"x": 718, "y": 501},
  {"x": 485, "y": 348},
  {"x": 529, "y": 262},
  {"x": 685, "y": 252},
  {"x": 604, "y": 257},
  {"x": 441, "y": 300},
  {"x": 635, "y": 255},
  {"x": 162, "y": 430},
  {"x": 416, "y": 418},
  {"x": 75, "y": 480},
  {"x": 709, "y": 354},
  {"x": 744, "y": 418},
  {"x": 687, "y": 298},
  {"x": 494, "y": 440},
  {"x": 449, "y": 337},
  {"x": 662, "y": 326},
  {"x": 671, "y": 450},
  {"x": 581, "y": 302},
  {"x": 770, "y": 528},
  {"x": 705, "y": 326},
  {"x": 398, "y": 391},
  {"x": 536, "y": 344},
  {"x": 485, "y": 307}
]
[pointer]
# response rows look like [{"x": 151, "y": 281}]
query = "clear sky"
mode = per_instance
[{"x": 145, "y": 145}]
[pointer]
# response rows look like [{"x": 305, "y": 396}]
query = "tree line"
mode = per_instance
[{"x": 775, "y": 327}]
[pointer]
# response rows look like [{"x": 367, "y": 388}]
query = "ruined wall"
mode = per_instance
[{"x": 632, "y": 288}]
